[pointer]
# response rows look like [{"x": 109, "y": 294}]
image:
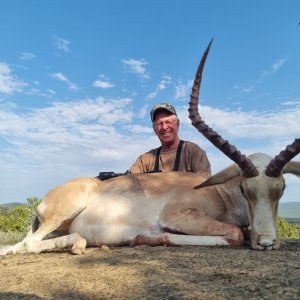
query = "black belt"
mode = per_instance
[{"x": 177, "y": 159}]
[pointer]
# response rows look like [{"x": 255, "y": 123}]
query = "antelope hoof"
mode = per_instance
[
  {"x": 77, "y": 251},
  {"x": 79, "y": 246}
]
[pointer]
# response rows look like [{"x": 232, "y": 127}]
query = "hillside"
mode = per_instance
[{"x": 10, "y": 205}]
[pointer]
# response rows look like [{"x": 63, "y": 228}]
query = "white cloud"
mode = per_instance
[
  {"x": 66, "y": 140},
  {"x": 63, "y": 78},
  {"x": 143, "y": 112},
  {"x": 291, "y": 102},
  {"x": 246, "y": 88},
  {"x": 26, "y": 56},
  {"x": 61, "y": 44},
  {"x": 250, "y": 87},
  {"x": 166, "y": 80},
  {"x": 274, "y": 68},
  {"x": 278, "y": 64},
  {"x": 136, "y": 66},
  {"x": 9, "y": 83},
  {"x": 139, "y": 129},
  {"x": 51, "y": 92},
  {"x": 255, "y": 125},
  {"x": 102, "y": 84},
  {"x": 183, "y": 90},
  {"x": 65, "y": 117}
]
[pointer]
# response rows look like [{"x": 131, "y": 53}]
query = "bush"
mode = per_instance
[
  {"x": 18, "y": 218},
  {"x": 286, "y": 230}
]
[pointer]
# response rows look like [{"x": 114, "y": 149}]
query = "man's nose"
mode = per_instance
[{"x": 165, "y": 125}]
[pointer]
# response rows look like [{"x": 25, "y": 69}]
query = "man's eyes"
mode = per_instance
[{"x": 166, "y": 122}]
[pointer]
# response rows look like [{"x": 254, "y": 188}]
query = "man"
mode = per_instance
[{"x": 174, "y": 154}]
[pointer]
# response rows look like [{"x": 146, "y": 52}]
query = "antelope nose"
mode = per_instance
[{"x": 266, "y": 242}]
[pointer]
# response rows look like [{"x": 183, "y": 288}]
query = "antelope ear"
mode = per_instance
[
  {"x": 292, "y": 167},
  {"x": 221, "y": 177}
]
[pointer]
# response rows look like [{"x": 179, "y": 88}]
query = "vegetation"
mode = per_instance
[
  {"x": 286, "y": 230},
  {"x": 11, "y": 237},
  {"x": 16, "y": 220}
]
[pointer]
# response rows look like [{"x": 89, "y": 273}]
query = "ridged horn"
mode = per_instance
[
  {"x": 276, "y": 165},
  {"x": 229, "y": 150}
]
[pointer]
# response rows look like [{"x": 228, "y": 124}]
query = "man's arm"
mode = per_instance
[
  {"x": 144, "y": 163},
  {"x": 137, "y": 167},
  {"x": 200, "y": 163},
  {"x": 198, "y": 160}
]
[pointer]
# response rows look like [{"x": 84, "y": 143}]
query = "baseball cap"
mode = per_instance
[{"x": 162, "y": 106}]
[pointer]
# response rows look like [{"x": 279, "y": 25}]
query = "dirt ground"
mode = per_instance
[{"x": 183, "y": 272}]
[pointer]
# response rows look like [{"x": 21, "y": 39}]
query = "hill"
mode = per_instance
[{"x": 9, "y": 205}]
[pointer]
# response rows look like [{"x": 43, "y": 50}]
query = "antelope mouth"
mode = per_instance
[{"x": 264, "y": 246}]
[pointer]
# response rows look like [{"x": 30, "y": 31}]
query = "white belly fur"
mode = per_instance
[{"x": 111, "y": 219}]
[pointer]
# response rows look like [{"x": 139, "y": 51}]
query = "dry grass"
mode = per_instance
[{"x": 7, "y": 238}]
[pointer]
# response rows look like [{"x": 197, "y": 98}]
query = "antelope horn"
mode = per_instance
[
  {"x": 276, "y": 165},
  {"x": 229, "y": 150}
]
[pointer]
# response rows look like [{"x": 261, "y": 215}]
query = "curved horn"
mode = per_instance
[
  {"x": 229, "y": 150},
  {"x": 276, "y": 165}
]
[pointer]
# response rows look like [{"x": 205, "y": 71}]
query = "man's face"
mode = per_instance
[{"x": 166, "y": 127}]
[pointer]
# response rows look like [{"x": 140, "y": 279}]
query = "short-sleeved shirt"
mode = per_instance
[{"x": 192, "y": 159}]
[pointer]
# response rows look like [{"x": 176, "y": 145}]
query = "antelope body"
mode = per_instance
[{"x": 168, "y": 208}]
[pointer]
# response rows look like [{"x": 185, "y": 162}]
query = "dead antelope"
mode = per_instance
[{"x": 168, "y": 208}]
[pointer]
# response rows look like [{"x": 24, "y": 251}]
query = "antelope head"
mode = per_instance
[{"x": 261, "y": 177}]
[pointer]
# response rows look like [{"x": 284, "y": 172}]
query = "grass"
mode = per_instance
[{"x": 12, "y": 237}]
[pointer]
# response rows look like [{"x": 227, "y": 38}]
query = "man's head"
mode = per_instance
[
  {"x": 165, "y": 124},
  {"x": 162, "y": 107}
]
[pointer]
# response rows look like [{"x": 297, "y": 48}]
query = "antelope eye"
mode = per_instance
[
  {"x": 283, "y": 188},
  {"x": 242, "y": 191}
]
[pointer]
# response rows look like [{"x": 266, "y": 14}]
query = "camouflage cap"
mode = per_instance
[{"x": 162, "y": 106}]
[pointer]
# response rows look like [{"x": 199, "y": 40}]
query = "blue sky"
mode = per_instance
[{"x": 78, "y": 79}]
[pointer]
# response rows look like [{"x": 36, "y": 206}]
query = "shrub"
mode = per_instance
[
  {"x": 18, "y": 218},
  {"x": 286, "y": 230}
]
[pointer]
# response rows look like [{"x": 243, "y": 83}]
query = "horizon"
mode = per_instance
[{"x": 78, "y": 80}]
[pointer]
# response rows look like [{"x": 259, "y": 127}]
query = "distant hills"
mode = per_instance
[
  {"x": 10, "y": 205},
  {"x": 289, "y": 210}
]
